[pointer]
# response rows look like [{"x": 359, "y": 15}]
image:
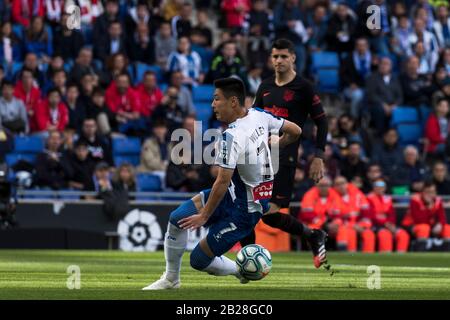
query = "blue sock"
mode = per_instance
[
  {"x": 186, "y": 209},
  {"x": 199, "y": 259}
]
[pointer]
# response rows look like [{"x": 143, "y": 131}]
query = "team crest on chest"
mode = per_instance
[{"x": 288, "y": 95}]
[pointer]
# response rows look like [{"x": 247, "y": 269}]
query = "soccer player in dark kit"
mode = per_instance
[{"x": 288, "y": 95}]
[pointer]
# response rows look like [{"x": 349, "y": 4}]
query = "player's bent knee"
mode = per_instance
[
  {"x": 186, "y": 209},
  {"x": 199, "y": 259}
]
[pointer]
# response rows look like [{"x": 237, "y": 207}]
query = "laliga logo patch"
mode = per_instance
[{"x": 139, "y": 231}]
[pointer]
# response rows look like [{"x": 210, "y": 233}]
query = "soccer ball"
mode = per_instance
[{"x": 254, "y": 262}]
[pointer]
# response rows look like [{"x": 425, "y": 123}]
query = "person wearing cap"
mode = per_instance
[{"x": 383, "y": 218}]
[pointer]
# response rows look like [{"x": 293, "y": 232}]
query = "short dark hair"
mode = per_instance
[
  {"x": 428, "y": 184},
  {"x": 231, "y": 87},
  {"x": 52, "y": 90},
  {"x": 283, "y": 43},
  {"x": 7, "y": 82}
]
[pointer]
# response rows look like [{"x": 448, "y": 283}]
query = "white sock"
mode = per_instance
[
  {"x": 222, "y": 266},
  {"x": 175, "y": 242}
]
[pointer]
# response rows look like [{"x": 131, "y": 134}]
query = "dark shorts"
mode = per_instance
[
  {"x": 228, "y": 224},
  {"x": 283, "y": 184}
]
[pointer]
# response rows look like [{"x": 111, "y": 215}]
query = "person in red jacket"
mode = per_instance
[
  {"x": 29, "y": 93},
  {"x": 124, "y": 103},
  {"x": 150, "y": 96},
  {"x": 383, "y": 218},
  {"x": 24, "y": 10},
  {"x": 52, "y": 113},
  {"x": 437, "y": 128},
  {"x": 426, "y": 217},
  {"x": 317, "y": 203},
  {"x": 235, "y": 11},
  {"x": 351, "y": 218}
]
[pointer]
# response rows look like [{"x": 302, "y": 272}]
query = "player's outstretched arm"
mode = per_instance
[
  {"x": 291, "y": 133},
  {"x": 216, "y": 195}
]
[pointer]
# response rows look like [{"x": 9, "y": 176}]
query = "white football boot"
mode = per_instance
[{"x": 163, "y": 284}]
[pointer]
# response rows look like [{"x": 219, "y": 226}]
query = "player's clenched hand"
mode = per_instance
[
  {"x": 316, "y": 170},
  {"x": 193, "y": 222}
]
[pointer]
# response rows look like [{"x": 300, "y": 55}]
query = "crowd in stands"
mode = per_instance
[{"x": 131, "y": 71}]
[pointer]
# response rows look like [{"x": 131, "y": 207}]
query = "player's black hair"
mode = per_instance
[
  {"x": 231, "y": 87},
  {"x": 283, "y": 43}
]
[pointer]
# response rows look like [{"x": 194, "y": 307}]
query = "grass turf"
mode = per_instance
[{"x": 42, "y": 274}]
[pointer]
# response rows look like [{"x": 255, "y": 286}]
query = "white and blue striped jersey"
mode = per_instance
[{"x": 245, "y": 148}]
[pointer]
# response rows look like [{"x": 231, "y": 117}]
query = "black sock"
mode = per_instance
[
  {"x": 287, "y": 223},
  {"x": 249, "y": 239}
]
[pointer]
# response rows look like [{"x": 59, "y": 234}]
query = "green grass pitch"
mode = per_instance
[{"x": 42, "y": 274}]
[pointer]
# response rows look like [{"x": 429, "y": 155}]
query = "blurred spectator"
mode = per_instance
[
  {"x": 388, "y": 153},
  {"x": 106, "y": 119},
  {"x": 140, "y": 15},
  {"x": 302, "y": 184},
  {"x": 186, "y": 61},
  {"x": 31, "y": 63},
  {"x": 77, "y": 111},
  {"x": 123, "y": 101},
  {"x": 318, "y": 203},
  {"x": 89, "y": 10},
  {"x": 439, "y": 176},
  {"x": 38, "y": 39},
  {"x": 53, "y": 11},
  {"x": 52, "y": 113},
  {"x": 317, "y": 28},
  {"x": 354, "y": 72},
  {"x": 288, "y": 24},
  {"x": 443, "y": 92},
  {"x": 234, "y": 11},
  {"x": 116, "y": 64},
  {"x": 348, "y": 218},
  {"x": 430, "y": 43},
  {"x": 58, "y": 81},
  {"x": 254, "y": 78},
  {"x": 6, "y": 10},
  {"x": 83, "y": 65},
  {"x": 86, "y": 89},
  {"x": 24, "y": 10},
  {"x": 171, "y": 8},
  {"x": 102, "y": 23},
  {"x": 165, "y": 43},
  {"x": 67, "y": 43},
  {"x": 441, "y": 27},
  {"x": 124, "y": 178},
  {"x": 423, "y": 10},
  {"x": 425, "y": 63},
  {"x": 384, "y": 94},
  {"x": 102, "y": 178},
  {"x": 349, "y": 132},
  {"x": 426, "y": 217},
  {"x": 181, "y": 24},
  {"x": 10, "y": 45},
  {"x": 99, "y": 146},
  {"x": 29, "y": 93},
  {"x": 437, "y": 129},
  {"x": 13, "y": 114},
  {"x": 149, "y": 94},
  {"x": 56, "y": 63},
  {"x": 384, "y": 220},
  {"x": 79, "y": 167},
  {"x": 169, "y": 110},
  {"x": 410, "y": 172},
  {"x": 401, "y": 35},
  {"x": 341, "y": 29},
  {"x": 203, "y": 28},
  {"x": 416, "y": 88},
  {"x": 184, "y": 94},
  {"x": 155, "y": 154},
  {"x": 353, "y": 164},
  {"x": 227, "y": 64},
  {"x": 141, "y": 46},
  {"x": 373, "y": 173},
  {"x": 112, "y": 42},
  {"x": 50, "y": 171},
  {"x": 259, "y": 29}
]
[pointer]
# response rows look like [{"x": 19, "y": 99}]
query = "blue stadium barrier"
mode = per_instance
[
  {"x": 130, "y": 145},
  {"x": 28, "y": 144},
  {"x": 203, "y": 93},
  {"x": 148, "y": 182}
]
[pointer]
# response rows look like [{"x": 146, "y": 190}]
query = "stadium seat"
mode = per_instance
[
  {"x": 12, "y": 158},
  {"x": 203, "y": 93},
  {"x": 324, "y": 59},
  {"x": 138, "y": 69},
  {"x": 148, "y": 182},
  {"x": 409, "y": 133},
  {"x": 131, "y": 159},
  {"x": 128, "y": 145},
  {"x": 404, "y": 114},
  {"x": 28, "y": 144},
  {"x": 328, "y": 80},
  {"x": 203, "y": 112}
]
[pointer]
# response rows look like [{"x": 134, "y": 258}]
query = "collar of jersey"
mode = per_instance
[{"x": 233, "y": 124}]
